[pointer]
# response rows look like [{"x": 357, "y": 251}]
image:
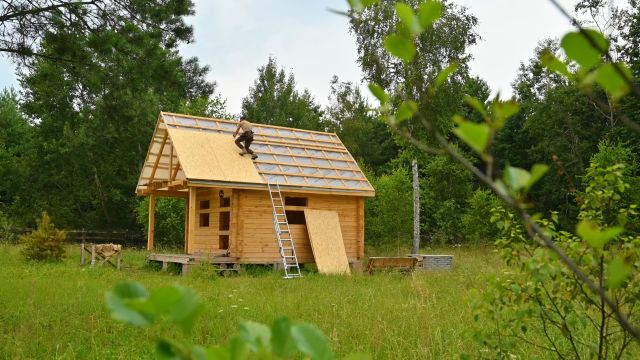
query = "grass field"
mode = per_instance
[{"x": 56, "y": 310}]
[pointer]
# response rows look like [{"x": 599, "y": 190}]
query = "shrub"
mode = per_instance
[
  {"x": 445, "y": 188},
  {"x": 45, "y": 243},
  {"x": 390, "y": 214},
  {"x": 541, "y": 303},
  {"x": 169, "y": 226},
  {"x": 6, "y": 235},
  {"x": 476, "y": 225}
]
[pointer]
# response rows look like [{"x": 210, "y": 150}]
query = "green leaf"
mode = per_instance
[
  {"x": 408, "y": 18},
  {"x": 218, "y": 352},
  {"x": 551, "y": 62},
  {"x": 128, "y": 302},
  {"x": 257, "y": 336},
  {"x": 186, "y": 310},
  {"x": 359, "y": 5},
  {"x": 238, "y": 349},
  {"x": 164, "y": 299},
  {"x": 406, "y": 110},
  {"x": 200, "y": 353},
  {"x": 281, "y": 341},
  {"x": 379, "y": 93},
  {"x": 537, "y": 172},
  {"x": 476, "y": 104},
  {"x": 130, "y": 290},
  {"x": 594, "y": 236},
  {"x": 516, "y": 178},
  {"x": 578, "y": 47},
  {"x": 618, "y": 271},
  {"x": 428, "y": 12},
  {"x": 612, "y": 81},
  {"x": 474, "y": 135},
  {"x": 502, "y": 111},
  {"x": 400, "y": 47},
  {"x": 311, "y": 341},
  {"x": 444, "y": 75},
  {"x": 166, "y": 350}
]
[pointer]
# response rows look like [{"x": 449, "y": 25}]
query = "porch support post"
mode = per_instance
[
  {"x": 191, "y": 217},
  {"x": 152, "y": 222}
]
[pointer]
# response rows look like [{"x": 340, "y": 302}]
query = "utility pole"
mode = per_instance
[{"x": 416, "y": 208}]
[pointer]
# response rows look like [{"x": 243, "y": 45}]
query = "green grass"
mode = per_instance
[{"x": 56, "y": 310}]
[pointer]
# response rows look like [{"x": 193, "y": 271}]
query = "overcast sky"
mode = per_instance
[{"x": 235, "y": 37}]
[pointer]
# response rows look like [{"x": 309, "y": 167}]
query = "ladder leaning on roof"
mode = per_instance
[{"x": 283, "y": 233}]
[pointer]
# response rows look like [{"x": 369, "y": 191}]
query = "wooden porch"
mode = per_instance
[{"x": 186, "y": 262}]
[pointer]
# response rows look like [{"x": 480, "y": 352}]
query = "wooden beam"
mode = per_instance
[
  {"x": 170, "y": 160},
  {"x": 155, "y": 165},
  {"x": 152, "y": 222},
  {"x": 191, "y": 219},
  {"x": 163, "y": 193},
  {"x": 175, "y": 172}
]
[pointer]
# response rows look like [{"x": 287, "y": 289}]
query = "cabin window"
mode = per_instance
[
  {"x": 205, "y": 204},
  {"x": 204, "y": 220},
  {"x": 295, "y": 201},
  {"x": 225, "y": 202},
  {"x": 295, "y": 217}
]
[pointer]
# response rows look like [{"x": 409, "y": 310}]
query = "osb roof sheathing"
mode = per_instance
[{"x": 201, "y": 150}]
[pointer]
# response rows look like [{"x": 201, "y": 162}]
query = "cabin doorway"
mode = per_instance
[{"x": 224, "y": 220}]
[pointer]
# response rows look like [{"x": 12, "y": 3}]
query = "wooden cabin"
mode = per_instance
[{"x": 229, "y": 210}]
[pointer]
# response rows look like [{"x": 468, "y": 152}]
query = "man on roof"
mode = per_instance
[{"x": 246, "y": 137}]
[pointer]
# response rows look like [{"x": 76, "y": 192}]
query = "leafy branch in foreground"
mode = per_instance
[
  {"x": 511, "y": 184},
  {"x": 131, "y": 303}
]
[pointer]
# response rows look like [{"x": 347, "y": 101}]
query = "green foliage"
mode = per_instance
[
  {"x": 7, "y": 236},
  {"x": 16, "y": 146},
  {"x": 390, "y": 214},
  {"x": 476, "y": 226},
  {"x": 169, "y": 225},
  {"x": 439, "y": 43},
  {"x": 541, "y": 303},
  {"x": 274, "y": 100},
  {"x": 95, "y": 112},
  {"x": 368, "y": 140},
  {"x": 46, "y": 243},
  {"x": 445, "y": 190},
  {"x": 131, "y": 303},
  {"x": 215, "y": 107}
]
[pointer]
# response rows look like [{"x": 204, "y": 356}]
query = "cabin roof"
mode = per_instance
[{"x": 199, "y": 150}]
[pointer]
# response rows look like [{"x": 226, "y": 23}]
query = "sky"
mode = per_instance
[{"x": 235, "y": 37}]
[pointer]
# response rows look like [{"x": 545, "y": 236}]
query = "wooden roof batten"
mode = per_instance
[{"x": 299, "y": 160}]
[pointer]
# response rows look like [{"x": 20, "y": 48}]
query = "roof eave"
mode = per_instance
[{"x": 263, "y": 186}]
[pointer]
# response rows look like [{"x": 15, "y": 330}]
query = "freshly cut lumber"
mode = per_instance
[{"x": 326, "y": 241}]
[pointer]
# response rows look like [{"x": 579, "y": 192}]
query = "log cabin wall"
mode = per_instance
[
  {"x": 211, "y": 224},
  {"x": 254, "y": 233}
]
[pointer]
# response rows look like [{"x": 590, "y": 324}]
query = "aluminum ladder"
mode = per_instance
[{"x": 283, "y": 233}]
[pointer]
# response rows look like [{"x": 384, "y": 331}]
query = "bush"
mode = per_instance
[
  {"x": 45, "y": 243},
  {"x": 445, "y": 188},
  {"x": 169, "y": 227},
  {"x": 7, "y": 236},
  {"x": 476, "y": 225},
  {"x": 390, "y": 214}
]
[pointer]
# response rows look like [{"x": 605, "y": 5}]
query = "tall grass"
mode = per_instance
[{"x": 56, "y": 310}]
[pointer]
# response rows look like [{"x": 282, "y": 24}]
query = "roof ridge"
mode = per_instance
[{"x": 253, "y": 123}]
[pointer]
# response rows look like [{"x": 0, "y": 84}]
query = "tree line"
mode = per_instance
[{"x": 95, "y": 75}]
